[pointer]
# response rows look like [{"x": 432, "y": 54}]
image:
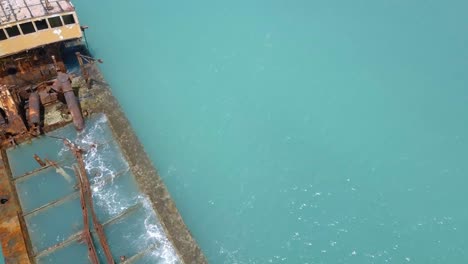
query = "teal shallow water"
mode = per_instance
[{"x": 300, "y": 131}]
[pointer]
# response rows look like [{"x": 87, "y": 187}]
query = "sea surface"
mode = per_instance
[{"x": 300, "y": 131}]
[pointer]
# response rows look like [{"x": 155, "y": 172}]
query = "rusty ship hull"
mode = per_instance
[{"x": 43, "y": 91}]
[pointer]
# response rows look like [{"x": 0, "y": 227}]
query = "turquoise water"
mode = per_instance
[{"x": 300, "y": 131}]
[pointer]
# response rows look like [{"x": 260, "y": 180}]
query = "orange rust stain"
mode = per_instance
[
  {"x": 13, "y": 246},
  {"x": 10, "y": 106},
  {"x": 12, "y": 236}
]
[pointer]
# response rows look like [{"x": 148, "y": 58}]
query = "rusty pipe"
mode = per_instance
[
  {"x": 75, "y": 111},
  {"x": 63, "y": 81},
  {"x": 34, "y": 109}
]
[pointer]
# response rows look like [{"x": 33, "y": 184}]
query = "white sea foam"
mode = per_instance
[
  {"x": 155, "y": 234},
  {"x": 103, "y": 173}
]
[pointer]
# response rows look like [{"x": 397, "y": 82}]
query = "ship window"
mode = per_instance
[
  {"x": 68, "y": 19},
  {"x": 3, "y": 36},
  {"x": 55, "y": 22},
  {"x": 41, "y": 24},
  {"x": 13, "y": 31},
  {"x": 27, "y": 28}
]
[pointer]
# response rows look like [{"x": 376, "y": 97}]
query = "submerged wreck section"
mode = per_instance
[
  {"x": 75, "y": 183},
  {"x": 83, "y": 200}
]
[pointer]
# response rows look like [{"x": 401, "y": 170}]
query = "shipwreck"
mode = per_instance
[{"x": 75, "y": 183}]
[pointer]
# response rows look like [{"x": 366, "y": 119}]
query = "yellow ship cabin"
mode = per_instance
[{"x": 30, "y": 24}]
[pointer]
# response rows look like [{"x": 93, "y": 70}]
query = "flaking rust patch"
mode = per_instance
[
  {"x": 12, "y": 238},
  {"x": 13, "y": 245}
]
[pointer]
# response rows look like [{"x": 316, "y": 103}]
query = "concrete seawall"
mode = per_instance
[{"x": 99, "y": 99}]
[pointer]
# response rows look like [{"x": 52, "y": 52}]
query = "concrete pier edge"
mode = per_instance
[{"x": 99, "y": 99}]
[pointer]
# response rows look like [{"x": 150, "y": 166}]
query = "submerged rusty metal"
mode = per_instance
[
  {"x": 39, "y": 160},
  {"x": 85, "y": 191},
  {"x": 86, "y": 235}
]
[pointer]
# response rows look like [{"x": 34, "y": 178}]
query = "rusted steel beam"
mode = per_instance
[
  {"x": 77, "y": 237},
  {"x": 97, "y": 226},
  {"x": 86, "y": 234},
  {"x": 73, "y": 195},
  {"x": 84, "y": 71},
  {"x": 52, "y": 163},
  {"x": 25, "y": 234},
  {"x": 29, "y": 174},
  {"x": 84, "y": 183},
  {"x": 123, "y": 214},
  {"x": 137, "y": 256},
  {"x": 39, "y": 160},
  {"x": 57, "y": 202},
  {"x": 82, "y": 59}
]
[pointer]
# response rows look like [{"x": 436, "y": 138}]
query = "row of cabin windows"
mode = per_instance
[{"x": 28, "y": 27}]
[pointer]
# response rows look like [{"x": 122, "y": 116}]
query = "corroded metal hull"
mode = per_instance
[{"x": 38, "y": 99}]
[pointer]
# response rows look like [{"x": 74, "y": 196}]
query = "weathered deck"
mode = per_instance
[{"x": 12, "y": 234}]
